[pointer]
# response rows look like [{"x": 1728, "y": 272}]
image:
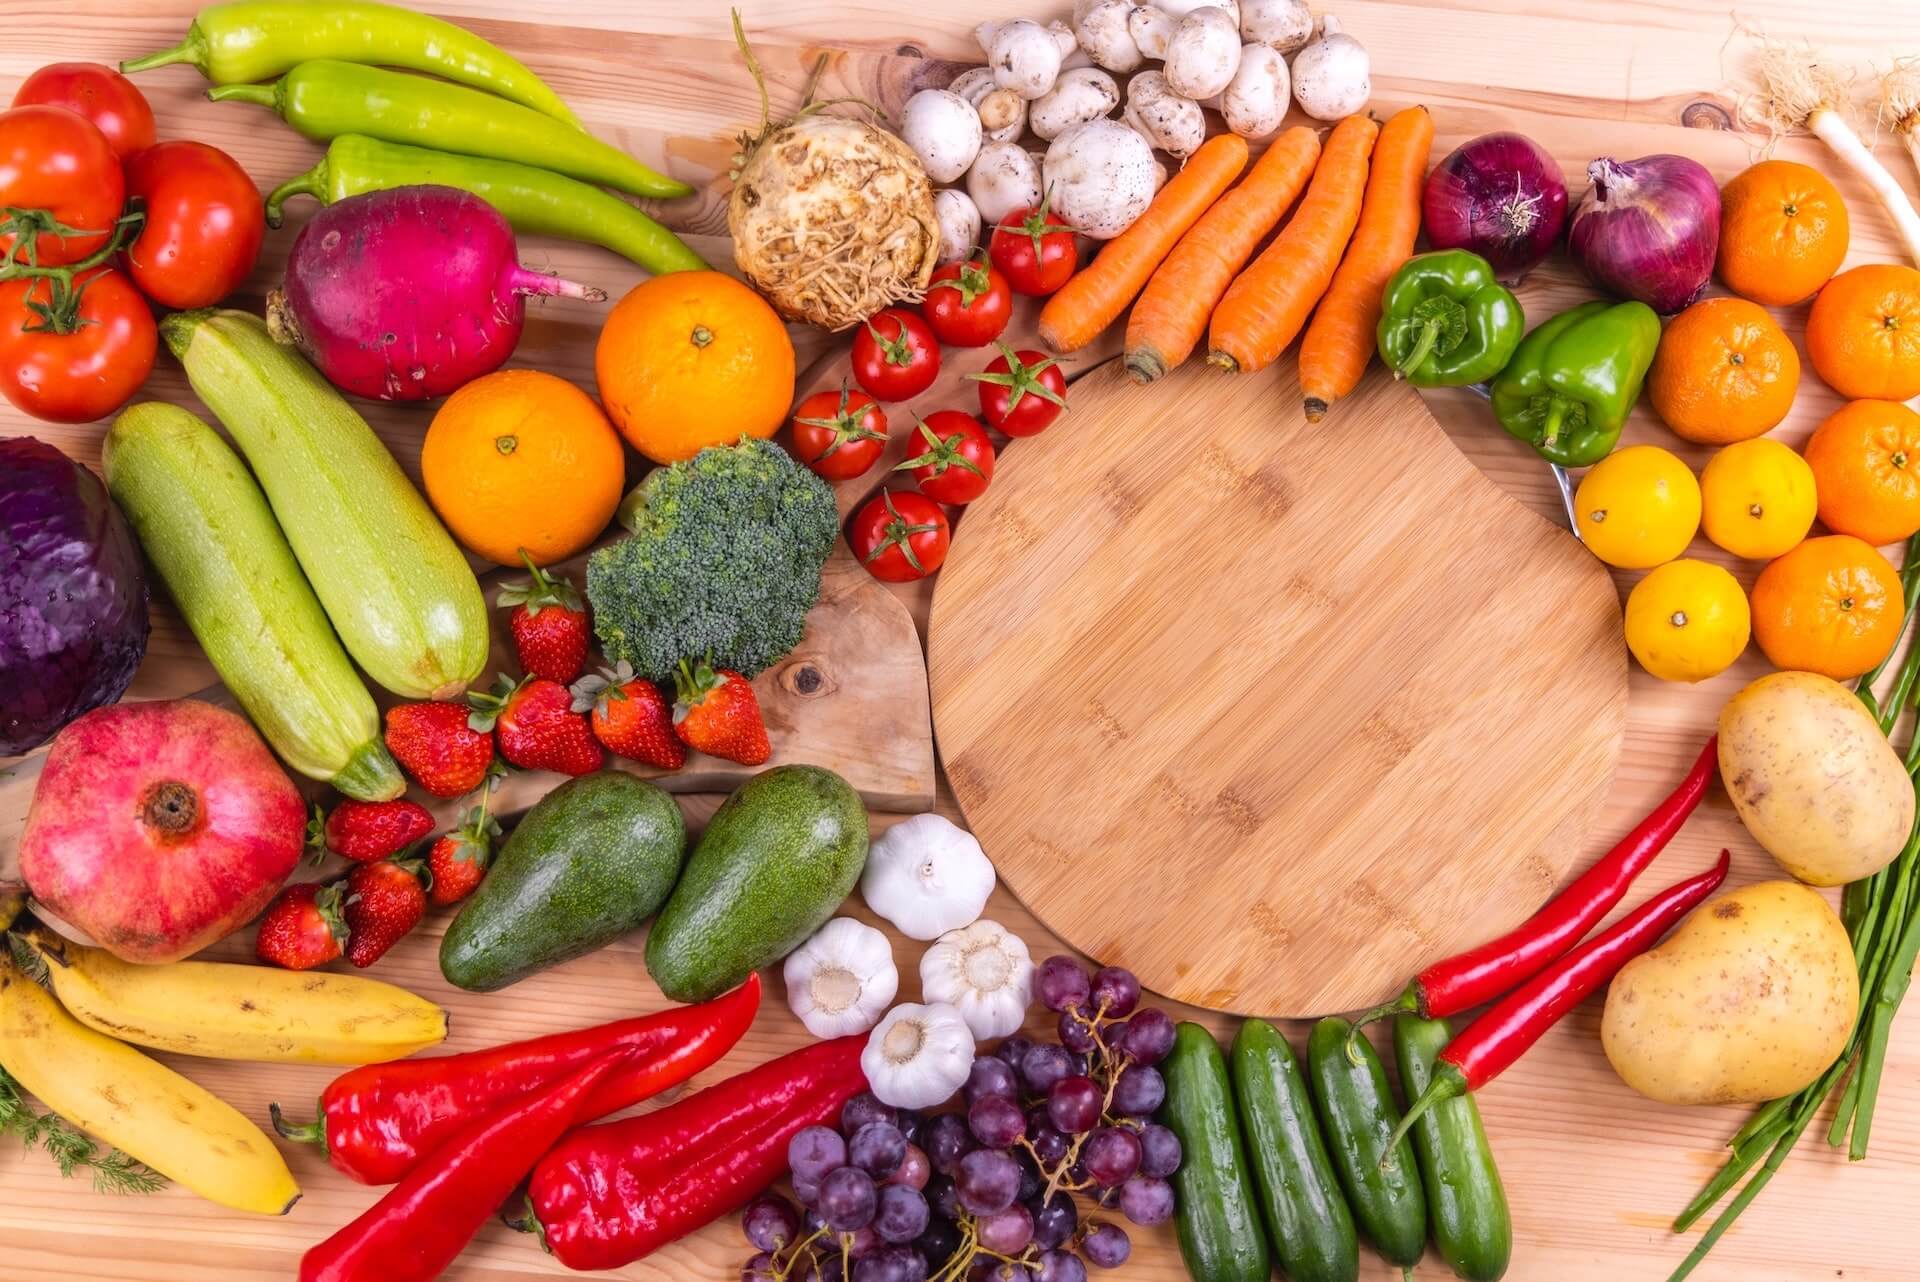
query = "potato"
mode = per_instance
[
  {"x": 1750, "y": 999},
  {"x": 1814, "y": 780}
]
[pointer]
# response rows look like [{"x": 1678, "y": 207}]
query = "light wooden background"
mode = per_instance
[{"x": 1593, "y": 1171}]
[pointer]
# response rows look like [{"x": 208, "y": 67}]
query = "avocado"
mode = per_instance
[
  {"x": 589, "y": 863},
  {"x": 779, "y": 857}
]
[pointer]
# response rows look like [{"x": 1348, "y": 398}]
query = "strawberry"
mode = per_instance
[
  {"x": 630, "y": 716},
  {"x": 365, "y": 830},
  {"x": 718, "y": 714},
  {"x": 438, "y": 746},
  {"x": 536, "y": 726},
  {"x": 302, "y": 927},
  {"x": 549, "y": 625},
  {"x": 457, "y": 862},
  {"x": 385, "y": 900}
]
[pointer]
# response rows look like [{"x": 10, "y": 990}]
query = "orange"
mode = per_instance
[
  {"x": 1863, "y": 334},
  {"x": 1831, "y": 606},
  {"x": 1866, "y": 470},
  {"x": 1783, "y": 232},
  {"x": 521, "y": 459},
  {"x": 693, "y": 359},
  {"x": 1724, "y": 372}
]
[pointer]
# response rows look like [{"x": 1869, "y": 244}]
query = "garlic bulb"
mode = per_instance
[
  {"x": 918, "y": 1056},
  {"x": 927, "y": 876},
  {"x": 984, "y": 972},
  {"x": 841, "y": 980}
]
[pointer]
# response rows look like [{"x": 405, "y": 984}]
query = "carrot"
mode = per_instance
[
  {"x": 1340, "y": 341},
  {"x": 1090, "y": 302},
  {"x": 1172, "y": 314},
  {"x": 1267, "y": 304}
]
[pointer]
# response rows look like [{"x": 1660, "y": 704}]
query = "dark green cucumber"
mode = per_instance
[
  {"x": 1217, "y": 1216},
  {"x": 1357, "y": 1114},
  {"x": 1466, "y": 1202},
  {"x": 1308, "y": 1220},
  {"x": 589, "y": 863}
]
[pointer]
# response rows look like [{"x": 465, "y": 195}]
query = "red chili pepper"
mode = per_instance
[
  {"x": 1492, "y": 1043},
  {"x": 608, "y": 1195},
  {"x": 378, "y": 1121},
  {"x": 423, "y": 1223}
]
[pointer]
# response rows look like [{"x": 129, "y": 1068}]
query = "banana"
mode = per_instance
[
  {"x": 141, "y": 1107},
  {"x": 226, "y": 1011}
]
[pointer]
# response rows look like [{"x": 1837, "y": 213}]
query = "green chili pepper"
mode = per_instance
[
  {"x": 1446, "y": 322},
  {"x": 1572, "y": 382},
  {"x": 325, "y": 98},
  {"x": 248, "y": 40},
  {"x": 537, "y": 202}
]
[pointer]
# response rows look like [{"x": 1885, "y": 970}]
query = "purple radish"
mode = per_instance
[{"x": 407, "y": 294}]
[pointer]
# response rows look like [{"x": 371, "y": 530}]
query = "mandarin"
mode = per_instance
[
  {"x": 1724, "y": 372},
  {"x": 1863, "y": 334},
  {"x": 1866, "y": 469},
  {"x": 1831, "y": 606},
  {"x": 1783, "y": 232},
  {"x": 1757, "y": 499}
]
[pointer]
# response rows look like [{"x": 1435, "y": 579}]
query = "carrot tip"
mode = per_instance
[
  {"x": 1316, "y": 409},
  {"x": 1224, "y": 361},
  {"x": 1144, "y": 367}
]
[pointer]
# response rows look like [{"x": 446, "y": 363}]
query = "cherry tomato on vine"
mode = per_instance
[
  {"x": 73, "y": 360},
  {"x": 900, "y": 536},
  {"x": 839, "y": 434},
  {"x": 204, "y": 224},
  {"x": 957, "y": 464},
  {"x": 895, "y": 355},
  {"x": 58, "y": 169},
  {"x": 1021, "y": 393},
  {"x": 1034, "y": 251},
  {"x": 968, "y": 304},
  {"x": 98, "y": 92}
]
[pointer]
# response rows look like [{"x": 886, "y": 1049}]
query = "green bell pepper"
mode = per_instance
[
  {"x": 1446, "y": 322},
  {"x": 1570, "y": 386}
]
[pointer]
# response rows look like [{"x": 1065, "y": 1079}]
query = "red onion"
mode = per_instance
[
  {"x": 1500, "y": 195},
  {"x": 1648, "y": 229}
]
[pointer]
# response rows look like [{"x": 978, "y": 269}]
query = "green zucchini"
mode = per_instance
[
  {"x": 1466, "y": 1202},
  {"x": 1218, "y": 1224},
  {"x": 205, "y": 528},
  {"x": 399, "y": 593},
  {"x": 1358, "y": 1115},
  {"x": 1308, "y": 1221}
]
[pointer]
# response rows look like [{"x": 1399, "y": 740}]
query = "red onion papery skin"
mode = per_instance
[
  {"x": 1648, "y": 229},
  {"x": 1500, "y": 195}
]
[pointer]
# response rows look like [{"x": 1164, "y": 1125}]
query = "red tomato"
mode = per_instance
[
  {"x": 98, "y": 92},
  {"x": 1021, "y": 393},
  {"x": 968, "y": 304},
  {"x": 900, "y": 536},
  {"x": 1034, "y": 251},
  {"x": 94, "y": 366},
  {"x": 58, "y": 166},
  {"x": 839, "y": 434},
  {"x": 895, "y": 356},
  {"x": 204, "y": 224},
  {"x": 958, "y": 462}
]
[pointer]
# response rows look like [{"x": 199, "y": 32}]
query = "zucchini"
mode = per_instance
[
  {"x": 400, "y": 594},
  {"x": 1219, "y": 1227},
  {"x": 1308, "y": 1222},
  {"x": 1466, "y": 1202},
  {"x": 206, "y": 529},
  {"x": 1357, "y": 1112}
]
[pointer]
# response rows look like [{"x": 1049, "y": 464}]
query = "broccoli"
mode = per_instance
[{"x": 723, "y": 563}]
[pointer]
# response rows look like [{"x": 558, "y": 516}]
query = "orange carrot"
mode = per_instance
[
  {"x": 1172, "y": 314},
  {"x": 1090, "y": 302},
  {"x": 1340, "y": 341},
  {"x": 1267, "y": 304}
]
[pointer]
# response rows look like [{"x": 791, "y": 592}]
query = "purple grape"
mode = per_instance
[
  {"x": 1148, "y": 1037},
  {"x": 913, "y": 1169},
  {"x": 947, "y": 1141},
  {"x": 943, "y": 1195},
  {"x": 1159, "y": 1151},
  {"x": 999, "y": 1271},
  {"x": 806, "y": 1192},
  {"x": 1073, "y": 1105},
  {"x": 862, "y": 1109},
  {"x": 900, "y": 1214},
  {"x": 1044, "y": 1065},
  {"x": 1112, "y": 1155},
  {"x": 846, "y": 1199},
  {"x": 770, "y": 1222},
  {"x": 1014, "y": 1049},
  {"x": 1061, "y": 1266},
  {"x": 862, "y": 1242},
  {"x": 1060, "y": 983},
  {"x": 759, "y": 1269},
  {"x": 1107, "y": 1246},
  {"x": 1076, "y": 1035},
  {"x": 911, "y": 1124},
  {"x": 1115, "y": 992},
  {"x": 1055, "y": 1221},
  {"x": 830, "y": 1268},
  {"x": 816, "y": 1152},
  {"x": 988, "y": 1182},
  {"x": 1049, "y": 1145},
  {"x": 1008, "y": 1232},
  {"x": 1030, "y": 1181},
  {"x": 1146, "y": 1201},
  {"x": 1138, "y": 1091},
  {"x": 990, "y": 1076},
  {"x": 878, "y": 1149},
  {"x": 996, "y": 1121},
  {"x": 939, "y": 1242},
  {"x": 895, "y": 1264}
]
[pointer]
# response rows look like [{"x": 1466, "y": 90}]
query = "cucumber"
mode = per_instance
[
  {"x": 400, "y": 594},
  {"x": 1216, "y": 1216},
  {"x": 776, "y": 861},
  {"x": 205, "y": 527},
  {"x": 1357, "y": 1115},
  {"x": 589, "y": 863},
  {"x": 1308, "y": 1220},
  {"x": 1466, "y": 1202}
]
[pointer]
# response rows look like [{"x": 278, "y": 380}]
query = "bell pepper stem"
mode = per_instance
[
  {"x": 1422, "y": 348},
  {"x": 1448, "y": 1083},
  {"x": 1556, "y": 416},
  {"x": 307, "y": 184},
  {"x": 260, "y": 95}
]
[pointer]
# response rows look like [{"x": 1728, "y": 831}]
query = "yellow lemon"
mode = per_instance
[
  {"x": 1638, "y": 507},
  {"x": 1687, "y": 621},
  {"x": 1757, "y": 499}
]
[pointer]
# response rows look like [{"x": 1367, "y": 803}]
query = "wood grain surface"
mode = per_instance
[{"x": 1594, "y": 1172}]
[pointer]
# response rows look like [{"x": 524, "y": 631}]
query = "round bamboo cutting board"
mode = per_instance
[{"x": 1271, "y": 713}]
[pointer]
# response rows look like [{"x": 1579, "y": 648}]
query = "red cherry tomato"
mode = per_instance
[
  {"x": 968, "y": 304},
  {"x": 1034, "y": 251},
  {"x": 58, "y": 167},
  {"x": 957, "y": 464},
  {"x": 98, "y": 92},
  {"x": 839, "y": 434},
  {"x": 900, "y": 536},
  {"x": 1021, "y": 393},
  {"x": 82, "y": 366},
  {"x": 895, "y": 356},
  {"x": 204, "y": 224}
]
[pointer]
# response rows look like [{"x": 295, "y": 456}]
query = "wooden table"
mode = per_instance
[{"x": 1593, "y": 1171}]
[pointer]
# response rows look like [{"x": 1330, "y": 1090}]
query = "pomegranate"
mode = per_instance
[{"x": 158, "y": 828}]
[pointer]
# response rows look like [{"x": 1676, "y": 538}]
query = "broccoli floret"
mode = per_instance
[{"x": 724, "y": 561}]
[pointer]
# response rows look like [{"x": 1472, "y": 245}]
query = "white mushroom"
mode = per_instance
[
  {"x": 1102, "y": 30},
  {"x": 1003, "y": 113},
  {"x": 1099, "y": 177},
  {"x": 1203, "y": 54},
  {"x": 1085, "y": 93},
  {"x": 1332, "y": 76},
  {"x": 1151, "y": 29},
  {"x": 1284, "y": 24},
  {"x": 959, "y": 221},
  {"x": 1024, "y": 55},
  {"x": 1063, "y": 39},
  {"x": 944, "y": 131},
  {"x": 1170, "y": 122},
  {"x": 1181, "y": 8},
  {"x": 1255, "y": 100},
  {"x": 1003, "y": 179}
]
